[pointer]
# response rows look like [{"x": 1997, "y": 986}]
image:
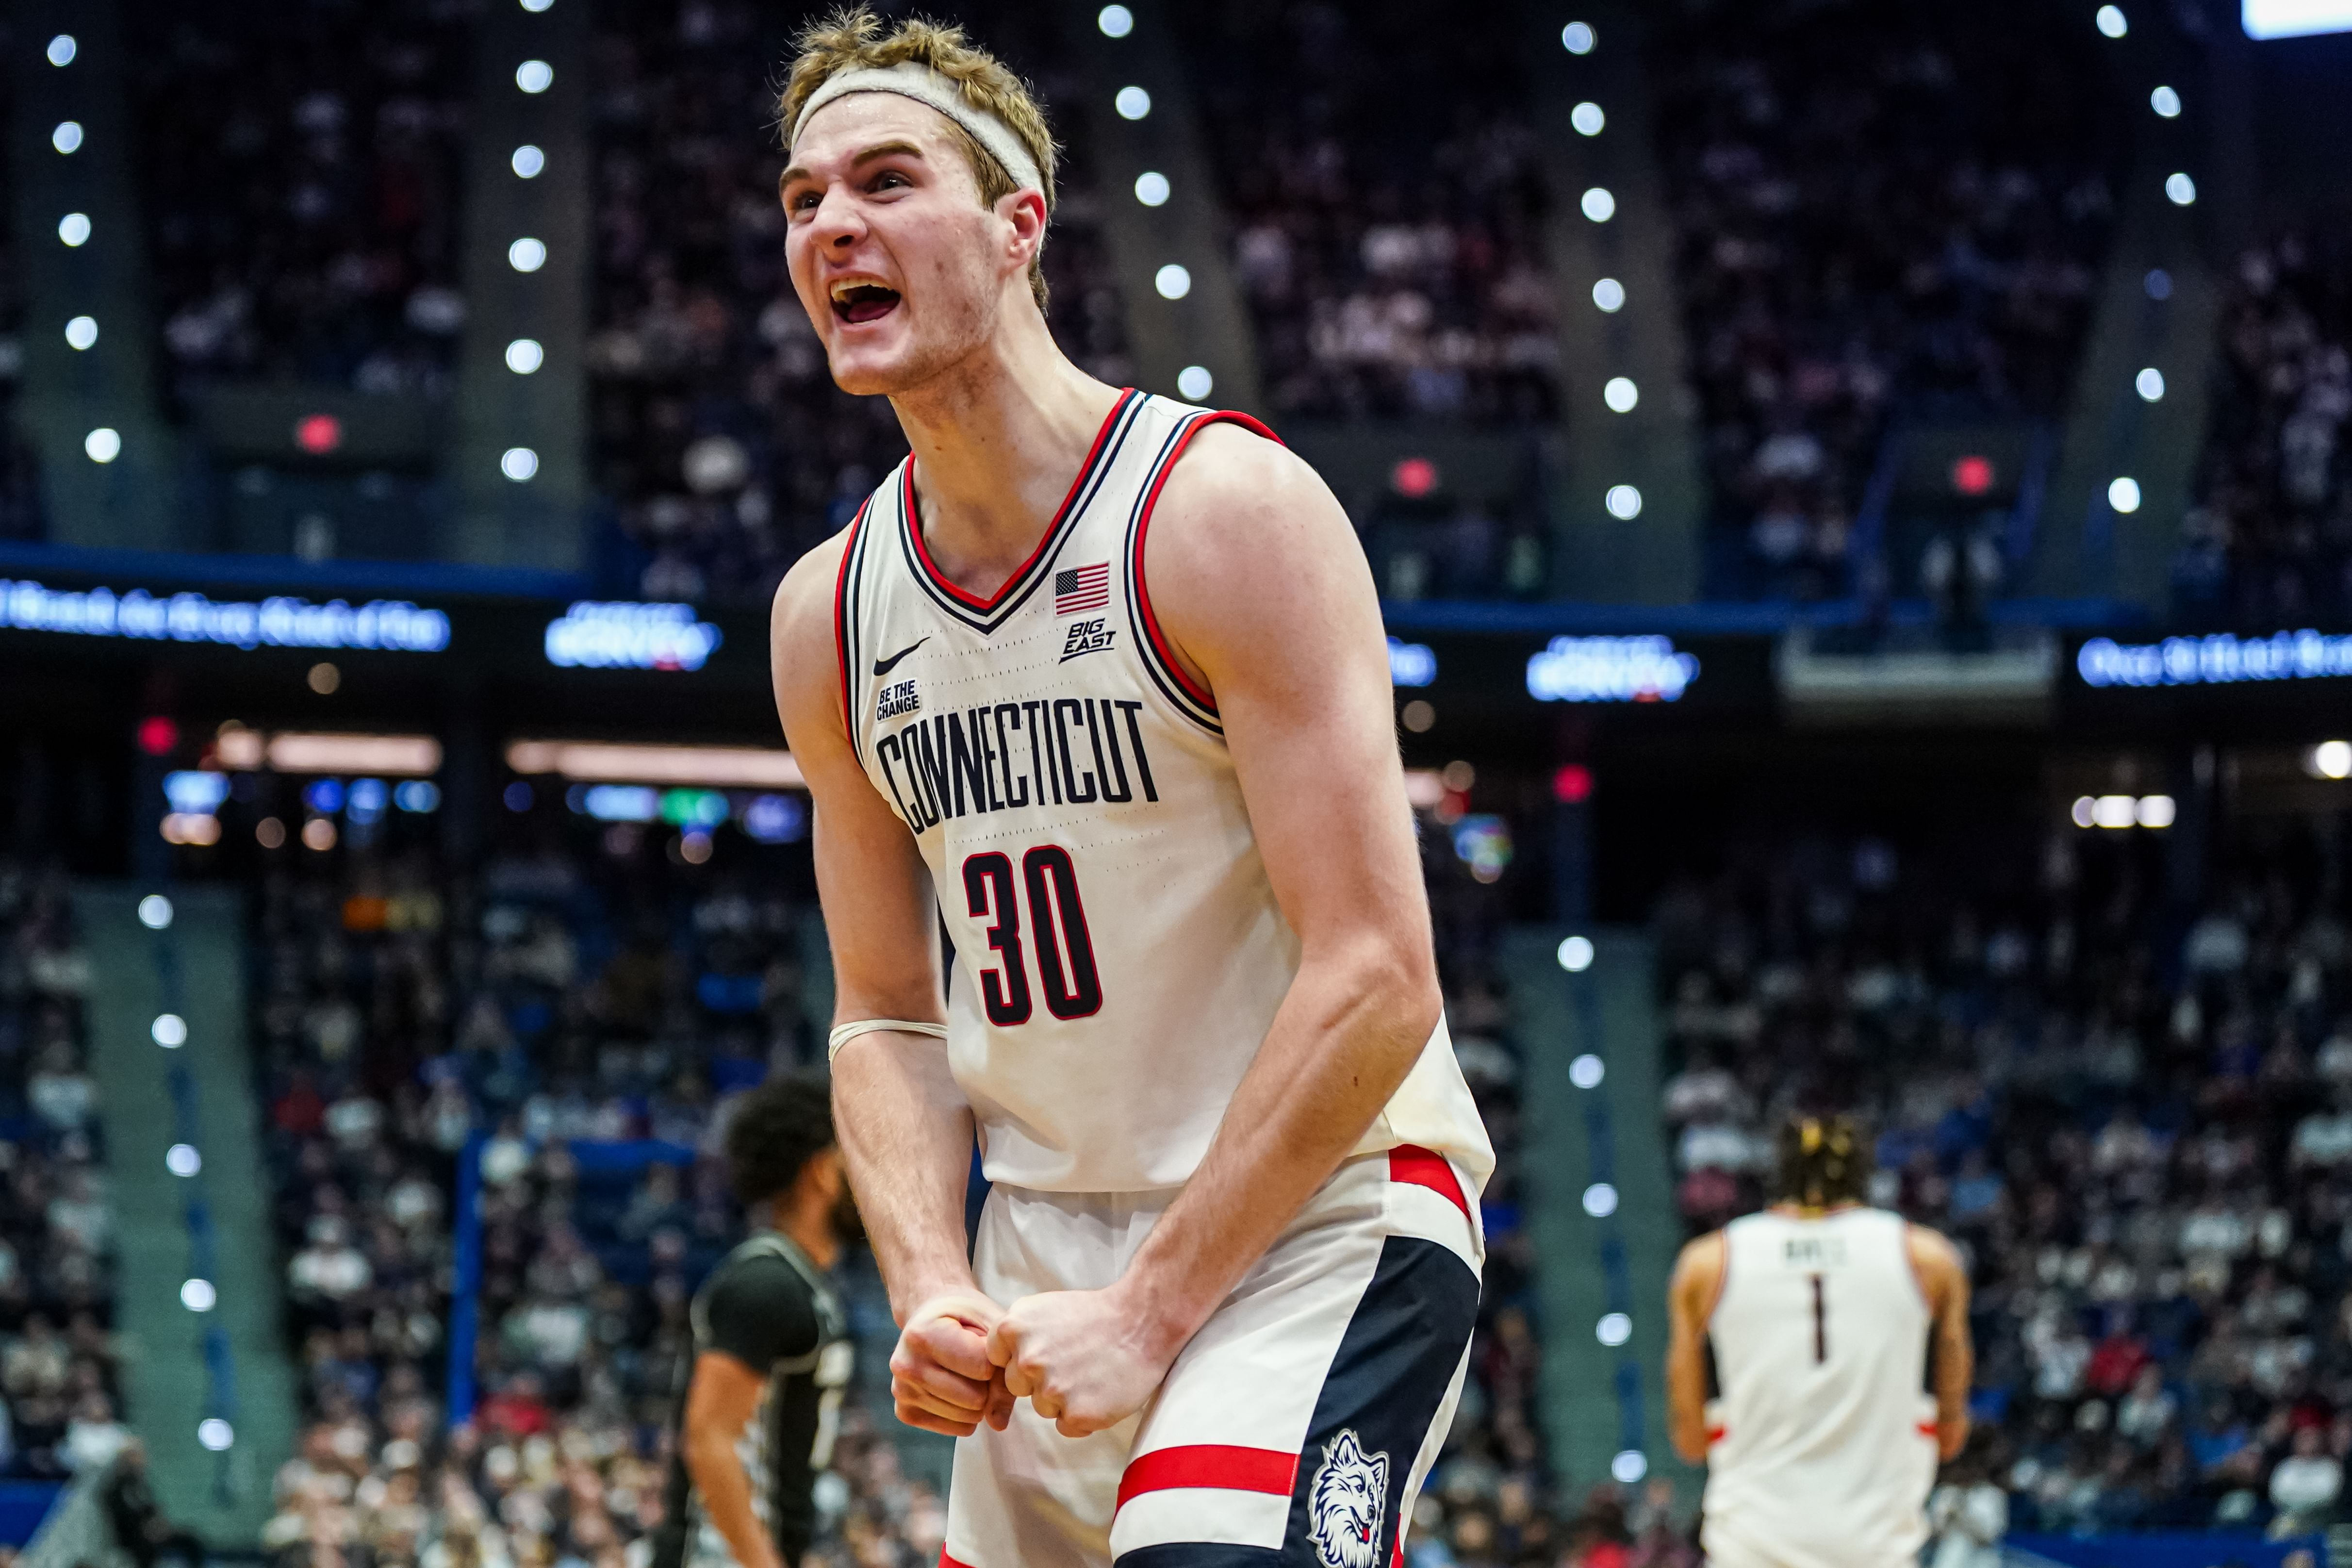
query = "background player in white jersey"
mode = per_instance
[
  {"x": 1123, "y": 724},
  {"x": 1821, "y": 1313}
]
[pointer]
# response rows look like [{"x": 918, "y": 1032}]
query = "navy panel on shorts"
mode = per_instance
[{"x": 1387, "y": 1380}]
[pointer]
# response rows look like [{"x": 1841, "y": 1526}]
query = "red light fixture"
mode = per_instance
[
  {"x": 1413, "y": 477},
  {"x": 318, "y": 433},
  {"x": 158, "y": 735},
  {"x": 1972, "y": 475},
  {"x": 1572, "y": 784}
]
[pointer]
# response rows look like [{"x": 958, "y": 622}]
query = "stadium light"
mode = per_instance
[
  {"x": 1588, "y": 118},
  {"x": 2149, "y": 384},
  {"x": 62, "y": 49},
  {"x": 519, "y": 464},
  {"x": 2179, "y": 189},
  {"x": 527, "y": 161},
  {"x": 156, "y": 911},
  {"x": 536, "y": 7},
  {"x": 1621, "y": 395},
  {"x": 2112, "y": 21},
  {"x": 1152, "y": 188},
  {"x": 1598, "y": 204},
  {"x": 1601, "y": 1200},
  {"x": 1173, "y": 281},
  {"x": 181, "y": 1160},
  {"x": 1629, "y": 1467},
  {"x": 216, "y": 1433},
  {"x": 1132, "y": 103},
  {"x": 2332, "y": 759},
  {"x": 527, "y": 255},
  {"x": 198, "y": 1294},
  {"x": 74, "y": 229},
  {"x": 2166, "y": 102},
  {"x": 2155, "y": 810},
  {"x": 1609, "y": 296},
  {"x": 1613, "y": 1329},
  {"x": 1575, "y": 954},
  {"x": 524, "y": 356},
  {"x": 169, "y": 1030},
  {"x": 1587, "y": 1072},
  {"x": 81, "y": 332},
  {"x": 1116, "y": 21},
  {"x": 1194, "y": 383},
  {"x": 2123, "y": 494},
  {"x": 1623, "y": 502},
  {"x": 102, "y": 445},
  {"x": 1578, "y": 38},
  {"x": 67, "y": 137},
  {"x": 534, "y": 76}
]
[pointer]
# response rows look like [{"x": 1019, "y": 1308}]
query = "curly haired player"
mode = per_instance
[
  {"x": 1821, "y": 1313},
  {"x": 1098, "y": 680}
]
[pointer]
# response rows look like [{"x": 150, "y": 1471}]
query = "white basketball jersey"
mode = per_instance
[
  {"x": 1119, "y": 955},
  {"x": 1823, "y": 1448}
]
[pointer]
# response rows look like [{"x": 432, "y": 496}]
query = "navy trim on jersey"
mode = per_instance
[
  {"x": 846, "y": 640},
  {"x": 984, "y": 616},
  {"x": 1158, "y": 658},
  {"x": 1388, "y": 1379}
]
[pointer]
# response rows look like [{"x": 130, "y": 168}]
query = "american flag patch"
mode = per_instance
[{"x": 1081, "y": 588}]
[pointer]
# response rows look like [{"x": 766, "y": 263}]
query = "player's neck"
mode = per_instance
[
  {"x": 997, "y": 438},
  {"x": 806, "y": 1227},
  {"x": 1802, "y": 1211}
]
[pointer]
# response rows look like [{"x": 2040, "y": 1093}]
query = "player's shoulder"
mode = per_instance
[
  {"x": 1698, "y": 1267},
  {"x": 760, "y": 1275},
  {"x": 1932, "y": 1252},
  {"x": 1233, "y": 478}
]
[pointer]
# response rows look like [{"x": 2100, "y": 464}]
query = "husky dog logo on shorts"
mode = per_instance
[{"x": 1344, "y": 1509}]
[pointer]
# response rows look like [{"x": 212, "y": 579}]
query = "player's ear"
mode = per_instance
[{"x": 1023, "y": 212}]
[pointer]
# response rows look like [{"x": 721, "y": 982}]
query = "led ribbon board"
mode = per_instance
[
  {"x": 2220, "y": 659},
  {"x": 393, "y": 625},
  {"x": 1610, "y": 669},
  {"x": 2295, "y": 18},
  {"x": 623, "y": 635}
]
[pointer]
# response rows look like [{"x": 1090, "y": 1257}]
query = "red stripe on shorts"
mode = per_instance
[
  {"x": 1218, "y": 1465},
  {"x": 1423, "y": 1168}
]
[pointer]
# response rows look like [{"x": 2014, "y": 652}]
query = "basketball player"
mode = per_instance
[
  {"x": 1823, "y": 1447},
  {"x": 771, "y": 1355},
  {"x": 1098, "y": 682}
]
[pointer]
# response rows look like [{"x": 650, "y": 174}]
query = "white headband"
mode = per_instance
[{"x": 912, "y": 78}]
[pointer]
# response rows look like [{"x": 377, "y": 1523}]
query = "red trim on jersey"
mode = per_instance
[
  {"x": 1419, "y": 1167},
  {"x": 1715, "y": 1435},
  {"x": 948, "y": 1562},
  {"x": 1928, "y": 1430},
  {"x": 923, "y": 553},
  {"x": 841, "y": 616},
  {"x": 1143, "y": 527},
  {"x": 1220, "y": 1466}
]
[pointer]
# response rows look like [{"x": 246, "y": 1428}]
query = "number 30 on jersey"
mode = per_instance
[{"x": 1056, "y": 925}]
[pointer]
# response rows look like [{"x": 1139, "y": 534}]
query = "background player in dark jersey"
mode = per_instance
[{"x": 771, "y": 1356}]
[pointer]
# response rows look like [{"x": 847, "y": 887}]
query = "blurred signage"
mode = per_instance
[
  {"x": 2295, "y": 18},
  {"x": 1610, "y": 669},
  {"x": 393, "y": 625},
  {"x": 2220, "y": 659},
  {"x": 623, "y": 635},
  {"x": 1411, "y": 663}
]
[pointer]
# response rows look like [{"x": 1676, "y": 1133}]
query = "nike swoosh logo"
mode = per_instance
[{"x": 885, "y": 666}]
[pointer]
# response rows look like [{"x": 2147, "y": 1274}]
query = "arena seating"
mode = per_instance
[
  {"x": 59, "y": 1375},
  {"x": 718, "y": 432},
  {"x": 2270, "y": 542},
  {"x": 301, "y": 190},
  {"x": 1881, "y": 212},
  {"x": 2132, "y": 1119},
  {"x": 1392, "y": 270}
]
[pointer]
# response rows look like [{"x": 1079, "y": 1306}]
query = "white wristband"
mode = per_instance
[{"x": 845, "y": 1033}]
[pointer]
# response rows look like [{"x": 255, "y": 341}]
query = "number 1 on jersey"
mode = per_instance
[
  {"x": 1057, "y": 920},
  {"x": 1821, "y": 1323}
]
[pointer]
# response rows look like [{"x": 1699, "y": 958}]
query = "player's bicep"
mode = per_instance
[
  {"x": 1255, "y": 573},
  {"x": 722, "y": 1396},
  {"x": 879, "y": 915}
]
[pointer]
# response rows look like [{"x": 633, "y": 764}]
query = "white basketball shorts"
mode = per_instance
[{"x": 1294, "y": 1431}]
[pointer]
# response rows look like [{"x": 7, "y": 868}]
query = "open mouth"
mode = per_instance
[{"x": 855, "y": 302}]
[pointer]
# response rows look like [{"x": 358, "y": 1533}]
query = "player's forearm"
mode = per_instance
[
  {"x": 1344, "y": 1038},
  {"x": 905, "y": 1132},
  {"x": 726, "y": 1495},
  {"x": 1686, "y": 1403}
]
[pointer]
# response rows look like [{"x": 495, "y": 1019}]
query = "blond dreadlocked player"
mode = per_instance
[
  {"x": 1097, "y": 681},
  {"x": 1823, "y": 1445}
]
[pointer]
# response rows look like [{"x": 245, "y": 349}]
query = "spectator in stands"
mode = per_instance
[{"x": 137, "y": 1520}]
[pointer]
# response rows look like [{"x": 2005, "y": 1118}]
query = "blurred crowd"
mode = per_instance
[
  {"x": 1880, "y": 212},
  {"x": 60, "y": 1391},
  {"x": 2130, "y": 1105},
  {"x": 2270, "y": 541},
  {"x": 718, "y": 433},
  {"x": 1393, "y": 262},
  {"x": 300, "y": 184}
]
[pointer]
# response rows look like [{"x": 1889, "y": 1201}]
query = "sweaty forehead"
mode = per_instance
[{"x": 837, "y": 134}]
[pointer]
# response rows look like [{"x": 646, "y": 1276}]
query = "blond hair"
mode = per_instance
[{"x": 851, "y": 39}]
